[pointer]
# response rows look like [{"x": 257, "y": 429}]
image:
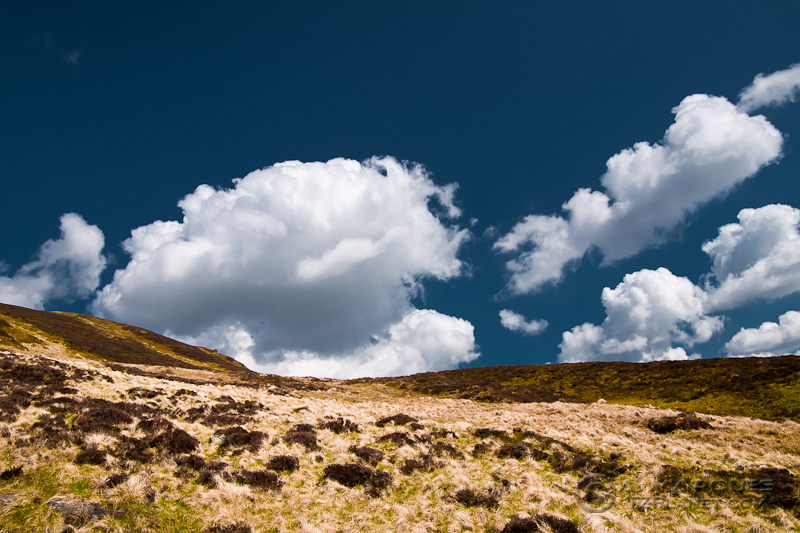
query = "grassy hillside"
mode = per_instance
[
  {"x": 766, "y": 388},
  {"x": 92, "y": 337}
]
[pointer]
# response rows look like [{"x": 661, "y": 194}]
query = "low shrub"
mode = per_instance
[
  {"x": 683, "y": 420},
  {"x": 371, "y": 456},
  {"x": 355, "y": 474},
  {"x": 399, "y": 419},
  {"x": 338, "y": 425},
  {"x": 540, "y": 522},
  {"x": 283, "y": 463},
  {"x": 471, "y": 498},
  {"x": 91, "y": 455},
  {"x": 307, "y": 439},
  {"x": 258, "y": 479}
]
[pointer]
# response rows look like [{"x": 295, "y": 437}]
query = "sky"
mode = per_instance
[{"x": 359, "y": 189}]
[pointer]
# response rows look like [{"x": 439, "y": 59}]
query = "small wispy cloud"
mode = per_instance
[{"x": 70, "y": 56}]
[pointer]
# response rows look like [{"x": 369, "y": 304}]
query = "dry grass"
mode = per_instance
[{"x": 317, "y": 460}]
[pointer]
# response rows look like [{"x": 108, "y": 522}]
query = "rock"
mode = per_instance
[
  {"x": 215, "y": 439},
  {"x": 76, "y": 512}
]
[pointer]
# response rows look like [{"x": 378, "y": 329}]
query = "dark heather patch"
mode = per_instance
[
  {"x": 684, "y": 420},
  {"x": 175, "y": 440},
  {"x": 10, "y": 473},
  {"x": 91, "y": 455},
  {"x": 490, "y": 433},
  {"x": 398, "y": 437},
  {"x": 441, "y": 449},
  {"x": 481, "y": 448},
  {"x": 132, "y": 449},
  {"x": 471, "y": 498},
  {"x": 371, "y": 456},
  {"x": 115, "y": 479},
  {"x": 338, "y": 425},
  {"x": 283, "y": 463},
  {"x": 258, "y": 479},
  {"x": 513, "y": 450},
  {"x": 238, "y": 437},
  {"x": 155, "y": 424},
  {"x": 355, "y": 474},
  {"x": 399, "y": 419},
  {"x": 307, "y": 439},
  {"x": 539, "y": 522},
  {"x": 225, "y": 419},
  {"x": 425, "y": 463},
  {"x": 236, "y": 527},
  {"x": 193, "y": 461}
]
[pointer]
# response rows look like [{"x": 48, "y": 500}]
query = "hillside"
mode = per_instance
[
  {"x": 759, "y": 387},
  {"x": 105, "y": 427}
]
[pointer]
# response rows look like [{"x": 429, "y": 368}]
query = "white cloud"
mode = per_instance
[
  {"x": 769, "y": 338},
  {"x": 302, "y": 267},
  {"x": 646, "y": 315},
  {"x": 771, "y": 89},
  {"x": 516, "y": 322},
  {"x": 423, "y": 340},
  {"x": 756, "y": 258},
  {"x": 64, "y": 269},
  {"x": 648, "y": 190}
]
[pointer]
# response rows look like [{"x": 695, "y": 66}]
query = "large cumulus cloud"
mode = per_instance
[
  {"x": 770, "y": 338},
  {"x": 305, "y": 267},
  {"x": 66, "y": 268},
  {"x": 648, "y": 189},
  {"x": 647, "y": 314},
  {"x": 756, "y": 258}
]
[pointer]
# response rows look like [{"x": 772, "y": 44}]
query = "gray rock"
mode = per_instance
[{"x": 76, "y": 512}]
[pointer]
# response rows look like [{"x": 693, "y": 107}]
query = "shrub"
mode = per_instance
[
  {"x": 683, "y": 420},
  {"x": 236, "y": 527},
  {"x": 540, "y": 522},
  {"x": 175, "y": 440},
  {"x": 440, "y": 449},
  {"x": 514, "y": 450},
  {"x": 258, "y": 479},
  {"x": 481, "y": 448},
  {"x": 470, "y": 498},
  {"x": 11, "y": 473},
  {"x": 132, "y": 449},
  {"x": 114, "y": 479},
  {"x": 155, "y": 424},
  {"x": 193, "y": 461},
  {"x": 371, "y": 456},
  {"x": 424, "y": 463},
  {"x": 307, "y": 439},
  {"x": 283, "y": 463},
  {"x": 355, "y": 474},
  {"x": 398, "y": 437},
  {"x": 490, "y": 433},
  {"x": 399, "y": 419},
  {"x": 237, "y": 436},
  {"x": 338, "y": 425},
  {"x": 91, "y": 455}
]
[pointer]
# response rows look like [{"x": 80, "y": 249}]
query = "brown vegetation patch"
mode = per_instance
[
  {"x": 258, "y": 479},
  {"x": 338, "y": 425},
  {"x": 307, "y": 439},
  {"x": 400, "y": 419},
  {"x": 481, "y": 448},
  {"x": 10, "y": 473},
  {"x": 355, "y": 474},
  {"x": 192, "y": 461},
  {"x": 471, "y": 498},
  {"x": 114, "y": 480},
  {"x": 425, "y": 463},
  {"x": 514, "y": 450},
  {"x": 683, "y": 420},
  {"x": 540, "y": 522},
  {"x": 397, "y": 437},
  {"x": 283, "y": 463},
  {"x": 132, "y": 449},
  {"x": 371, "y": 456},
  {"x": 175, "y": 440},
  {"x": 236, "y": 527},
  {"x": 238, "y": 437},
  {"x": 91, "y": 455},
  {"x": 441, "y": 449}
]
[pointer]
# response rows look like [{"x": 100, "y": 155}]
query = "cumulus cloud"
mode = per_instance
[
  {"x": 64, "y": 269},
  {"x": 303, "y": 267},
  {"x": 756, "y": 258},
  {"x": 515, "y": 322},
  {"x": 711, "y": 147},
  {"x": 769, "y": 338},
  {"x": 647, "y": 315},
  {"x": 423, "y": 340},
  {"x": 771, "y": 89}
]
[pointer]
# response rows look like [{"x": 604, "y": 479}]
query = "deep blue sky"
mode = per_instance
[{"x": 520, "y": 103}]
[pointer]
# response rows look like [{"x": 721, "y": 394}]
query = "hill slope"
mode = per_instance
[
  {"x": 758, "y": 387},
  {"x": 27, "y": 329}
]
